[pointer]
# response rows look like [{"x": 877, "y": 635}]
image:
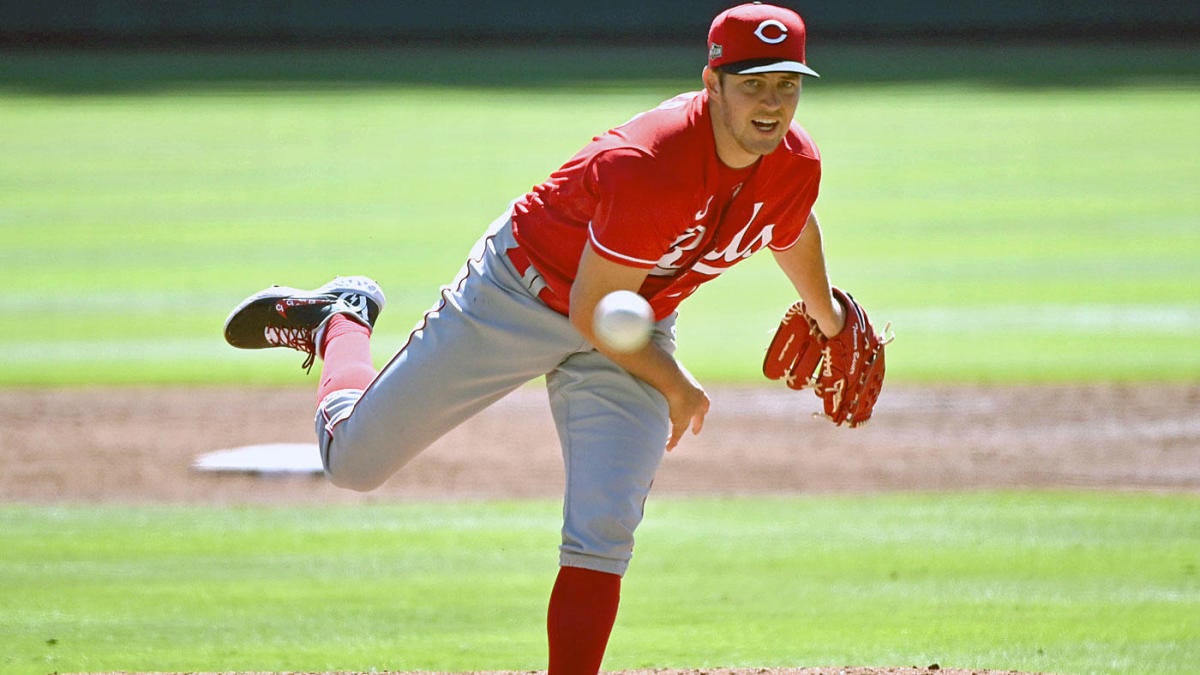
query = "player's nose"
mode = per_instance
[{"x": 771, "y": 97}]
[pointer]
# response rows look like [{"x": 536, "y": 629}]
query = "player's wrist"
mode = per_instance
[{"x": 832, "y": 322}]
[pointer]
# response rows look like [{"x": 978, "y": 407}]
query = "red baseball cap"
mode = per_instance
[{"x": 757, "y": 38}]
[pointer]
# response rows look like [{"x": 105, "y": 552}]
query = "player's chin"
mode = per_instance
[{"x": 764, "y": 145}]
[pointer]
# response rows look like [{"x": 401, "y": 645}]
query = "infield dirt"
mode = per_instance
[{"x": 137, "y": 445}]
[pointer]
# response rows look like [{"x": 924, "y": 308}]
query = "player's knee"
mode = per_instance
[
  {"x": 359, "y": 482},
  {"x": 601, "y": 542},
  {"x": 343, "y": 470},
  {"x": 350, "y": 467}
]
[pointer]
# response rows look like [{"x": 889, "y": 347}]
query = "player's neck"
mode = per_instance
[{"x": 729, "y": 152}]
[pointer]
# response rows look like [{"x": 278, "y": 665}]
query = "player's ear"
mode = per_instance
[{"x": 712, "y": 81}]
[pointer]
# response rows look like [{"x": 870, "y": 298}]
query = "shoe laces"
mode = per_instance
[{"x": 300, "y": 339}]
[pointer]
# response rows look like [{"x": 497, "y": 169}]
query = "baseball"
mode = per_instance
[{"x": 623, "y": 321}]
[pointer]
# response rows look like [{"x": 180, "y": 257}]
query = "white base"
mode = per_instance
[{"x": 271, "y": 458}]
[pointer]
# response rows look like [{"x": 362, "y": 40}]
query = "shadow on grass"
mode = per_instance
[{"x": 61, "y": 71}]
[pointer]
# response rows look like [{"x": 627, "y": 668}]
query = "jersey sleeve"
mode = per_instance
[
  {"x": 799, "y": 208},
  {"x": 638, "y": 209},
  {"x": 788, "y": 235}
]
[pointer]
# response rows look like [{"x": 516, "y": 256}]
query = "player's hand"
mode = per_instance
[{"x": 687, "y": 409}]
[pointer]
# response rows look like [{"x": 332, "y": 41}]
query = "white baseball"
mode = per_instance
[{"x": 623, "y": 321}]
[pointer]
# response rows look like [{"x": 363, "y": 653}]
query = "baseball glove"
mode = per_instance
[{"x": 845, "y": 371}]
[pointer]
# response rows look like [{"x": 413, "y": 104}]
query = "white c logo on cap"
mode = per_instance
[{"x": 759, "y": 32}]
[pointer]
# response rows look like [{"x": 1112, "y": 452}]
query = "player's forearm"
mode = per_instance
[
  {"x": 804, "y": 265},
  {"x": 655, "y": 366},
  {"x": 652, "y": 364}
]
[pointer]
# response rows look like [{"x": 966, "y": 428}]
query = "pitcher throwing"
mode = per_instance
[{"x": 659, "y": 205}]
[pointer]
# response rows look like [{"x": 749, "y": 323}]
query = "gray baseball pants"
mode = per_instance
[{"x": 488, "y": 335}]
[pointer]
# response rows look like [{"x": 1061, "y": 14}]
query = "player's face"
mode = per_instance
[{"x": 751, "y": 113}]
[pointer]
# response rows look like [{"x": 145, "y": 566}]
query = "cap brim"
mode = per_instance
[{"x": 758, "y": 66}]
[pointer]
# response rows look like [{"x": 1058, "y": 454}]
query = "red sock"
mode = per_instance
[
  {"x": 347, "y": 356},
  {"x": 583, "y": 607}
]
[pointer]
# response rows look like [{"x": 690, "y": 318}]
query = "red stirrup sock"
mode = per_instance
[
  {"x": 583, "y": 607},
  {"x": 347, "y": 356}
]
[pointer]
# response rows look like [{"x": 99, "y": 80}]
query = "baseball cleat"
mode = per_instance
[{"x": 280, "y": 316}]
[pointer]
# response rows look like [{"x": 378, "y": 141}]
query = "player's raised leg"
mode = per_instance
[{"x": 486, "y": 336}]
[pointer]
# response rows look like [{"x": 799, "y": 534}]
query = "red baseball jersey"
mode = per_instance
[{"x": 653, "y": 194}]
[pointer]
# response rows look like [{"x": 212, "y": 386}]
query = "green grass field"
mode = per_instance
[
  {"x": 1012, "y": 229},
  {"x": 1020, "y": 214},
  {"x": 1071, "y": 583}
]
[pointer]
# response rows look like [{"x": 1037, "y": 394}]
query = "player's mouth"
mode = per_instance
[{"x": 765, "y": 126}]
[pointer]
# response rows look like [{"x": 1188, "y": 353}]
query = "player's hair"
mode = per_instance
[{"x": 721, "y": 73}]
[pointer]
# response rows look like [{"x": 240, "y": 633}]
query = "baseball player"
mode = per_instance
[{"x": 659, "y": 205}]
